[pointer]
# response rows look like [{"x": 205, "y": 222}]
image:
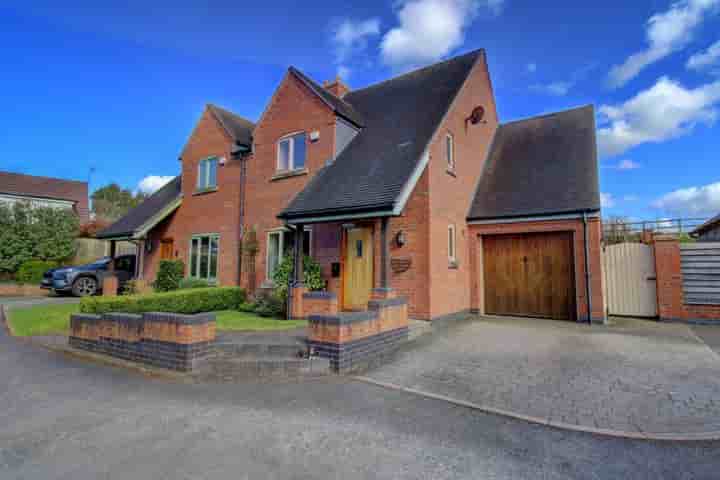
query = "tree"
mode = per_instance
[
  {"x": 111, "y": 202},
  {"x": 28, "y": 232}
]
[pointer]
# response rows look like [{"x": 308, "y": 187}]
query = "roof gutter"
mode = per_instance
[
  {"x": 537, "y": 218},
  {"x": 334, "y": 218}
]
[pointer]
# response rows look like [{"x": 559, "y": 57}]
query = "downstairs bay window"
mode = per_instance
[{"x": 204, "y": 250}]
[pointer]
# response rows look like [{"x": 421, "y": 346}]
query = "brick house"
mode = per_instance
[
  {"x": 411, "y": 184},
  {"x": 46, "y": 192}
]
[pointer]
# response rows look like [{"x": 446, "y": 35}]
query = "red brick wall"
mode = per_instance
[
  {"x": 574, "y": 226},
  {"x": 668, "y": 269},
  {"x": 213, "y": 212},
  {"x": 451, "y": 195},
  {"x": 293, "y": 108}
]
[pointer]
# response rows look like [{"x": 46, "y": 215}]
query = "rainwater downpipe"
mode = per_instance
[{"x": 588, "y": 290}]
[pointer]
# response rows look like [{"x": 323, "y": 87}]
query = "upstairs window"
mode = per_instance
[
  {"x": 450, "y": 152},
  {"x": 291, "y": 152},
  {"x": 207, "y": 174}
]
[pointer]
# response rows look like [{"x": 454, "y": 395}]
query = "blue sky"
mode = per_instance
[{"x": 119, "y": 88}]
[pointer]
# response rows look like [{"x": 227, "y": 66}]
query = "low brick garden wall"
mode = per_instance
[
  {"x": 167, "y": 340},
  {"x": 354, "y": 341},
  {"x": 12, "y": 289}
]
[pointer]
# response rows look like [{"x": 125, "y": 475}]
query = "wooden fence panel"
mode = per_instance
[
  {"x": 701, "y": 273},
  {"x": 630, "y": 282}
]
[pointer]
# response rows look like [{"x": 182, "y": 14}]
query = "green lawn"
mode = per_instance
[
  {"x": 232, "y": 320},
  {"x": 41, "y": 319},
  {"x": 55, "y": 320}
]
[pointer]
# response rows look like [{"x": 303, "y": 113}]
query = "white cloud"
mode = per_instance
[
  {"x": 627, "y": 164},
  {"x": 152, "y": 183},
  {"x": 531, "y": 67},
  {"x": 607, "y": 200},
  {"x": 349, "y": 38},
  {"x": 707, "y": 59},
  {"x": 558, "y": 89},
  {"x": 664, "y": 111},
  {"x": 666, "y": 32},
  {"x": 703, "y": 200},
  {"x": 430, "y": 29}
]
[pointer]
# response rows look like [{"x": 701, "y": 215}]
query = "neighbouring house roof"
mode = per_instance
[
  {"x": 338, "y": 105},
  {"x": 149, "y": 213},
  {"x": 239, "y": 128},
  {"x": 713, "y": 222},
  {"x": 545, "y": 165},
  {"x": 400, "y": 116},
  {"x": 46, "y": 187}
]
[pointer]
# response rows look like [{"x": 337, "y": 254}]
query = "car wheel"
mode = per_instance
[{"x": 84, "y": 287}]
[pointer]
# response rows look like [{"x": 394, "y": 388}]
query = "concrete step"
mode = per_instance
[
  {"x": 230, "y": 369},
  {"x": 288, "y": 350},
  {"x": 419, "y": 328}
]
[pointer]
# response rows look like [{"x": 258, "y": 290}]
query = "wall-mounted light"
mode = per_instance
[
  {"x": 314, "y": 135},
  {"x": 400, "y": 238}
]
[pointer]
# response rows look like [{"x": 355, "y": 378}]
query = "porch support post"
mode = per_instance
[
  {"x": 298, "y": 267},
  {"x": 384, "y": 253},
  {"x": 111, "y": 267},
  {"x": 140, "y": 259}
]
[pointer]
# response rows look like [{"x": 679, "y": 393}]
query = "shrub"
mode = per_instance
[
  {"x": 312, "y": 277},
  {"x": 129, "y": 288},
  {"x": 247, "y": 307},
  {"x": 196, "y": 300},
  {"x": 193, "y": 283},
  {"x": 270, "y": 305},
  {"x": 170, "y": 273},
  {"x": 32, "y": 271}
]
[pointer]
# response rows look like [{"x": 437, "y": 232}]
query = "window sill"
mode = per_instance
[
  {"x": 453, "y": 265},
  {"x": 205, "y": 191},
  {"x": 451, "y": 173},
  {"x": 289, "y": 173}
]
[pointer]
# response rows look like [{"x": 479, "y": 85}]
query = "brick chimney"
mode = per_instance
[{"x": 336, "y": 87}]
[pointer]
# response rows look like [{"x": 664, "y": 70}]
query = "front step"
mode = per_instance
[
  {"x": 419, "y": 328},
  {"x": 228, "y": 369},
  {"x": 255, "y": 350}
]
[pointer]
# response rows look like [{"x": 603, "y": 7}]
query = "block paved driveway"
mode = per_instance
[
  {"x": 63, "y": 418},
  {"x": 635, "y": 376}
]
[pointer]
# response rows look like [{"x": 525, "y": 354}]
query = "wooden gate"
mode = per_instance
[{"x": 630, "y": 281}]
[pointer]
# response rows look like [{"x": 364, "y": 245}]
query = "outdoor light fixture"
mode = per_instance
[{"x": 400, "y": 238}]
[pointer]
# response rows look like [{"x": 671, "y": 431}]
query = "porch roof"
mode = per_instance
[{"x": 146, "y": 215}]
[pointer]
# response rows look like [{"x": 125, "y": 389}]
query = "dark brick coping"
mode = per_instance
[
  {"x": 343, "y": 318},
  {"x": 160, "y": 317},
  {"x": 319, "y": 295},
  {"x": 386, "y": 302}
]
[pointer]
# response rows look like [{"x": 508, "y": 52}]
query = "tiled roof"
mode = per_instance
[{"x": 46, "y": 187}]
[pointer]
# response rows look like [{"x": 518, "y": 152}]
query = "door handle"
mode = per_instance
[{"x": 651, "y": 278}]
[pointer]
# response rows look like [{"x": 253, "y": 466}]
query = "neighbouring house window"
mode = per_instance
[
  {"x": 281, "y": 243},
  {"x": 204, "y": 250},
  {"x": 207, "y": 173},
  {"x": 451, "y": 244},
  {"x": 450, "y": 152},
  {"x": 291, "y": 152}
]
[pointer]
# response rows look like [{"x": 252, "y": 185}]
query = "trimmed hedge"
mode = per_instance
[
  {"x": 32, "y": 271},
  {"x": 195, "y": 300}
]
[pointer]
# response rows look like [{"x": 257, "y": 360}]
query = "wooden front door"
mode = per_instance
[
  {"x": 358, "y": 271},
  {"x": 529, "y": 275},
  {"x": 166, "y": 249}
]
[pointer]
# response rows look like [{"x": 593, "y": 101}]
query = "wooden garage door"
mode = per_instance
[{"x": 529, "y": 275}]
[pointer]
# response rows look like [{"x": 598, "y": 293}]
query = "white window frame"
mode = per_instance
[
  {"x": 196, "y": 273},
  {"x": 204, "y": 183},
  {"x": 450, "y": 153},
  {"x": 452, "y": 243},
  {"x": 291, "y": 151},
  {"x": 281, "y": 232}
]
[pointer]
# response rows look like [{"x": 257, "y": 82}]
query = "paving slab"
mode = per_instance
[{"x": 633, "y": 378}]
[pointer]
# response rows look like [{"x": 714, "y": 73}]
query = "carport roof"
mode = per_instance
[{"x": 545, "y": 165}]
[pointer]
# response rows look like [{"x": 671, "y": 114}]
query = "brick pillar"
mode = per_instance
[
  {"x": 110, "y": 285},
  {"x": 668, "y": 270},
  {"x": 598, "y": 314}
]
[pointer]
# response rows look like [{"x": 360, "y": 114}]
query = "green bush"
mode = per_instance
[
  {"x": 170, "y": 273},
  {"x": 193, "y": 283},
  {"x": 190, "y": 301},
  {"x": 270, "y": 305},
  {"x": 247, "y": 307},
  {"x": 42, "y": 233},
  {"x": 32, "y": 271},
  {"x": 130, "y": 287},
  {"x": 312, "y": 277}
]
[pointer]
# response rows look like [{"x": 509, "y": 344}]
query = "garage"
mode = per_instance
[{"x": 529, "y": 274}]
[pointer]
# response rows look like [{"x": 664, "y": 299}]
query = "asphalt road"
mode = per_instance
[{"x": 67, "y": 419}]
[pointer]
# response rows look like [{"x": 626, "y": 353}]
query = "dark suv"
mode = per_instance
[{"x": 86, "y": 280}]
